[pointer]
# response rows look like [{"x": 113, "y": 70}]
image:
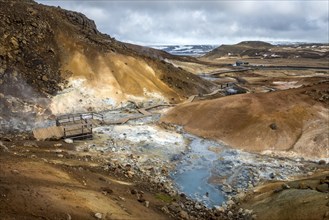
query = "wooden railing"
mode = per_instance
[
  {"x": 79, "y": 125},
  {"x": 78, "y": 131},
  {"x": 78, "y": 117}
]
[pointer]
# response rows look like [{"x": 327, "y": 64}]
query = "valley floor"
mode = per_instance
[{"x": 151, "y": 168}]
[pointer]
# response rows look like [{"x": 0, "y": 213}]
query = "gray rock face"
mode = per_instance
[{"x": 82, "y": 21}]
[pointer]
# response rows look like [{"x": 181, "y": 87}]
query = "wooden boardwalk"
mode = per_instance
[{"x": 74, "y": 126}]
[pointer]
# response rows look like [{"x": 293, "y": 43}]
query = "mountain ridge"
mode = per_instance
[{"x": 58, "y": 56}]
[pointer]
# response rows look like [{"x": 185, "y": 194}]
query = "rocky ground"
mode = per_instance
[
  {"x": 135, "y": 170},
  {"x": 56, "y": 180}
]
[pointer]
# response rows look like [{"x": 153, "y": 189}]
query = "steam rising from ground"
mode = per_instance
[{"x": 21, "y": 106}]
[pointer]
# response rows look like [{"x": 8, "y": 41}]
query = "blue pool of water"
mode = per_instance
[{"x": 194, "y": 170}]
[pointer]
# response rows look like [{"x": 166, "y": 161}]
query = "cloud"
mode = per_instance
[{"x": 206, "y": 22}]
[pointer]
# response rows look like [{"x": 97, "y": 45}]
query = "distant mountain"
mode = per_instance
[
  {"x": 260, "y": 49},
  {"x": 185, "y": 50}
]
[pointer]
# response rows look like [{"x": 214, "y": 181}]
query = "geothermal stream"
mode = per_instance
[
  {"x": 204, "y": 170},
  {"x": 194, "y": 170},
  {"x": 211, "y": 172}
]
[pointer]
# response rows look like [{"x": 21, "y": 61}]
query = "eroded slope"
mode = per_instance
[
  {"x": 52, "y": 59},
  {"x": 293, "y": 120}
]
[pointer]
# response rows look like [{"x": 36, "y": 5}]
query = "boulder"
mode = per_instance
[
  {"x": 68, "y": 141},
  {"x": 323, "y": 187}
]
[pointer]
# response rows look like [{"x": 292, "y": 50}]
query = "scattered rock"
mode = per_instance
[
  {"x": 165, "y": 209},
  {"x": 15, "y": 172},
  {"x": 230, "y": 203},
  {"x": 272, "y": 175},
  {"x": 278, "y": 190},
  {"x": 58, "y": 145},
  {"x": 230, "y": 215},
  {"x": 130, "y": 173},
  {"x": 3, "y": 148},
  {"x": 198, "y": 206},
  {"x": 107, "y": 190},
  {"x": 174, "y": 207},
  {"x": 322, "y": 162},
  {"x": 60, "y": 155},
  {"x": 324, "y": 181},
  {"x": 6, "y": 139},
  {"x": 273, "y": 126},
  {"x": 227, "y": 189},
  {"x": 285, "y": 186},
  {"x": 102, "y": 178},
  {"x": 248, "y": 212},
  {"x": 133, "y": 191},
  {"x": 220, "y": 209},
  {"x": 323, "y": 187},
  {"x": 68, "y": 216},
  {"x": 98, "y": 215},
  {"x": 14, "y": 42},
  {"x": 140, "y": 198},
  {"x": 183, "y": 215},
  {"x": 68, "y": 141},
  {"x": 44, "y": 78},
  {"x": 147, "y": 203},
  {"x": 30, "y": 144}
]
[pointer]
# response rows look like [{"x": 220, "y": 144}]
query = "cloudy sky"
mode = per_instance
[{"x": 158, "y": 22}]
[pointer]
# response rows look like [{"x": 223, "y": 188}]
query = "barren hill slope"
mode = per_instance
[
  {"x": 55, "y": 61},
  {"x": 292, "y": 120},
  {"x": 259, "y": 49}
]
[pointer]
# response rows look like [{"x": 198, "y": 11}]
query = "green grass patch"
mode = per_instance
[{"x": 164, "y": 197}]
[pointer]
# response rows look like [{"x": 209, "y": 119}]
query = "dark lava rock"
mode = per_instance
[
  {"x": 322, "y": 162},
  {"x": 273, "y": 126},
  {"x": 133, "y": 191},
  {"x": 107, "y": 190}
]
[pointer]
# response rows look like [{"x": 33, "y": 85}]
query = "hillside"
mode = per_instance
[
  {"x": 55, "y": 61},
  {"x": 259, "y": 49},
  {"x": 294, "y": 120}
]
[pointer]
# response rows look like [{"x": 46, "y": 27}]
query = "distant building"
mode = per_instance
[{"x": 241, "y": 63}]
